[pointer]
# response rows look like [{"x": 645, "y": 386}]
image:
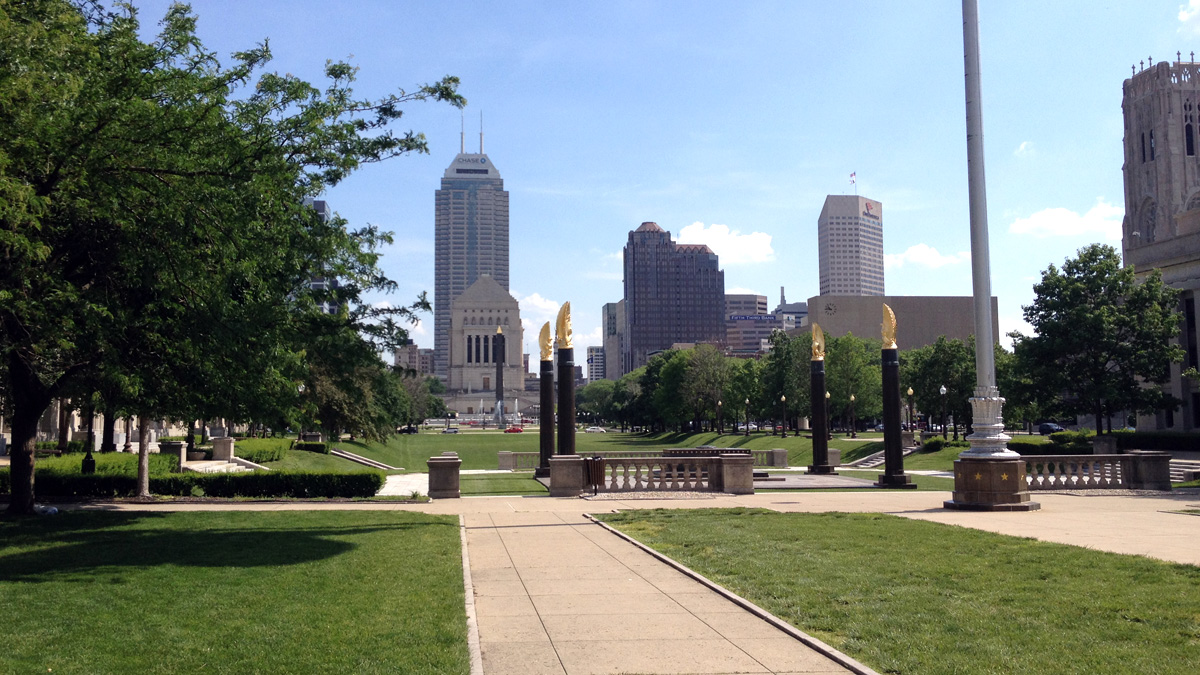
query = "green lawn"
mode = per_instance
[
  {"x": 232, "y": 592},
  {"x": 923, "y": 482},
  {"x": 907, "y": 596},
  {"x": 303, "y": 460},
  {"x": 500, "y": 484}
]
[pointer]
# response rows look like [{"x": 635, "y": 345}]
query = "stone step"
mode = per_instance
[{"x": 214, "y": 466}]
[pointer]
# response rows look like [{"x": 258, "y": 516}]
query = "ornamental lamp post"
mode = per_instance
[
  {"x": 942, "y": 390},
  {"x": 747, "y": 425},
  {"x": 853, "y": 419},
  {"x": 910, "y": 409},
  {"x": 828, "y": 429},
  {"x": 782, "y": 416},
  {"x": 720, "y": 428}
]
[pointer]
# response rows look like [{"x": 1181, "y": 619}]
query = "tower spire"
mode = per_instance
[{"x": 481, "y": 132}]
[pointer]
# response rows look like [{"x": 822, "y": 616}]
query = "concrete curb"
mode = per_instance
[
  {"x": 469, "y": 592},
  {"x": 813, "y": 643}
]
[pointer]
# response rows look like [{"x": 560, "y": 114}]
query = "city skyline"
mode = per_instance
[{"x": 728, "y": 124}]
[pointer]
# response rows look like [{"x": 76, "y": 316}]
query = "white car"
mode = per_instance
[{"x": 593, "y": 430}]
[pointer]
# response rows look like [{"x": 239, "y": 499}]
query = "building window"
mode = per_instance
[
  {"x": 486, "y": 348},
  {"x": 1151, "y": 145},
  {"x": 1143, "y": 148},
  {"x": 469, "y": 349},
  {"x": 1189, "y": 140}
]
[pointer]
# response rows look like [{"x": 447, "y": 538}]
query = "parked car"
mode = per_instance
[
  {"x": 593, "y": 430},
  {"x": 406, "y": 430},
  {"x": 1047, "y": 428},
  {"x": 449, "y": 431},
  {"x": 879, "y": 427},
  {"x": 514, "y": 430}
]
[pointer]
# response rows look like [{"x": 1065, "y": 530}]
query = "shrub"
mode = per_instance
[
  {"x": 52, "y": 446},
  {"x": 937, "y": 444},
  {"x": 1026, "y": 447},
  {"x": 297, "y": 484},
  {"x": 309, "y": 446},
  {"x": 1157, "y": 440}
]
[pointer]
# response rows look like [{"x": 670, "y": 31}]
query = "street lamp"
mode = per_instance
[
  {"x": 825, "y": 412},
  {"x": 747, "y": 427},
  {"x": 942, "y": 390},
  {"x": 720, "y": 427},
  {"x": 853, "y": 420},
  {"x": 782, "y": 416},
  {"x": 910, "y": 407}
]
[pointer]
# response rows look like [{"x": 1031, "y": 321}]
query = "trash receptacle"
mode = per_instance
[{"x": 593, "y": 472}]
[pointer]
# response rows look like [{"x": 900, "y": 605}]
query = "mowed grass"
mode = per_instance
[
  {"x": 478, "y": 449},
  {"x": 232, "y": 592},
  {"x": 500, "y": 484},
  {"x": 303, "y": 460},
  {"x": 934, "y": 483},
  {"x": 906, "y": 596}
]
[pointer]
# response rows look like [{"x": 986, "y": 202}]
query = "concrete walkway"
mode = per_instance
[{"x": 556, "y": 593}]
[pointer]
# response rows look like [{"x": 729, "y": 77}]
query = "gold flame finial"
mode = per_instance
[
  {"x": 818, "y": 343},
  {"x": 498, "y": 330},
  {"x": 889, "y": 327},
  {"x": 544, "y": 343},
  {"x": 563, "y": 327}
]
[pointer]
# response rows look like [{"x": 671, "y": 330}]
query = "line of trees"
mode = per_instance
[
  {"x": 1104, "y": 344},
  {"x": 156, "y": 243}
]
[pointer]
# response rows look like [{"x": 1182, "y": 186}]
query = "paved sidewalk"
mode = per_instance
[{"x": 556, "y": 593}]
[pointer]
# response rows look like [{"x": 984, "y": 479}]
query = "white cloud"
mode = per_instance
[
  {"x": 383, "y": 304},
  {"x": 1103, "y": 220},
  {"x": 925, "y": 256},
  {"x": 738, "y": 290},
  {"x": 418, "y": 329},
  {"x": 732, "y": 246},
  {"x": 1189, "y": 16},
  {"x": 1025, "y": 149},
  {"x": 592, "y": 338}
]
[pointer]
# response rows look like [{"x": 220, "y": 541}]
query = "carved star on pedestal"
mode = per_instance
[
  {"x": 1003, "y": 476},
  {"x": 978, "y": 476}
]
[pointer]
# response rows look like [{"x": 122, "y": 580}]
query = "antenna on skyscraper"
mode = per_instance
[
  {"x": 462, "y": 133},
  {"x": 481, "y": 132}
]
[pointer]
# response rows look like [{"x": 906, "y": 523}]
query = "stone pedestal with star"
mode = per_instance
[{"x": 990, "y": 485}]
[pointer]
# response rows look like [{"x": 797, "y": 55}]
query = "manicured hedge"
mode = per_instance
[
  {"x": 310, "y": 446},
  {"x": 937, "y": 443},
  {"x": 1157, "y": 440},
  {"x": 1026, "y": 447},
  {"x": 261, "y": 450},
  {"x": 52, "y": 446},
  {"x": 294, "y": 484}
]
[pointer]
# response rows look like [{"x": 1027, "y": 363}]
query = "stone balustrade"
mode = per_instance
[
  {"x": 695, "y": 474},
  {"x": 1138, "y": 470}
]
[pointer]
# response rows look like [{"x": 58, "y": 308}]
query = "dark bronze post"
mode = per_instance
[
  {"x": 893, "y": 453},
  {"x": 546, "y": 432},
  {"x": 820, "y": 405},
  {"x": 498, "y": 357},
  {"x": 566, "y": 382}
]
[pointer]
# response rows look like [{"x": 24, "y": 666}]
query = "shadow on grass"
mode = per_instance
[{"x": 81, "y": 544}]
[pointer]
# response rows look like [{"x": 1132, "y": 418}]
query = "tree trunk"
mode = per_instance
[
  {"x": 108, "y": 436},
  {"x": 63, "y": 417},
  {"x": 90, "y": 443},
  {"x": 191, "y": 442},
  {"x": 1099, "y": 418},
  {"x": 203, "y": 432},
  {"x": 143, "y": 474},
  {"x": 30, "y": 399}
]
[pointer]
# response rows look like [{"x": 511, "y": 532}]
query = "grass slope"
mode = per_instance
[
  {"x": 500, "y": 484},
  {"x": 233, "y": 592},
  {"x": 907, "y": 596}
]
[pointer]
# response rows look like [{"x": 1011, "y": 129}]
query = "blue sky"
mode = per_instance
[{"x": 727, "y": 123}]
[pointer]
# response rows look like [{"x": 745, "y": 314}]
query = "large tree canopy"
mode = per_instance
[
  {"x": 1100, "y": 336},
  {"x": 153, "y": 220}
]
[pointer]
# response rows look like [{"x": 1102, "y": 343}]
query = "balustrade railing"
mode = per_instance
[
  {"x": 1078, "y": 472},
  {"x": 634, "y": 474}
]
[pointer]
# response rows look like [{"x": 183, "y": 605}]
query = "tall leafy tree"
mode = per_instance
[
  {"x": 1101, "y": 336},
  {"x": 152, "y": 220},
  {"x": 945, "y": 363},
  {"x": 852, "y": 366}
]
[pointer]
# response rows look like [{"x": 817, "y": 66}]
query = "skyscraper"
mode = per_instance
[
  {"x": 673, "y": 293},
  {"x": 595, "y": 363},
  {"x": 470, "y": 239},
  {"x": 850, "y": 246},
  {"x": 1161, "y": 105}
]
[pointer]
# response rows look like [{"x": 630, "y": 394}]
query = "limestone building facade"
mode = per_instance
[
  {"x": 478, "y": 313},
  {"x": 1161, "y": 229},
  {"x": 920, "y": 319}
]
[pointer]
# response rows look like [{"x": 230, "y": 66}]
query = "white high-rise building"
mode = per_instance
[
  {"x": 470, "y": 240},
  {"x": 850, "y": 246},
  {"x": 595, "y": 364}
]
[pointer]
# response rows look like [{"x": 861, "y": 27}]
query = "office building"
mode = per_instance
[
  {"x": 412, "y": 358},
  {"x": 850, "y": 246},
  {"x": 324, "y": 283},
  {"x": 748, "y": 325},
  {"x": 1161, "y": 230},
  {"x": 612, "y": 318},
  {"x": 796, "y": 311},
  {"x": 673, "y": 293},
  {"x": 470, "y": 239},
  {"x": 920, "y": 319},
  {"x": 595, "y": 363}
]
